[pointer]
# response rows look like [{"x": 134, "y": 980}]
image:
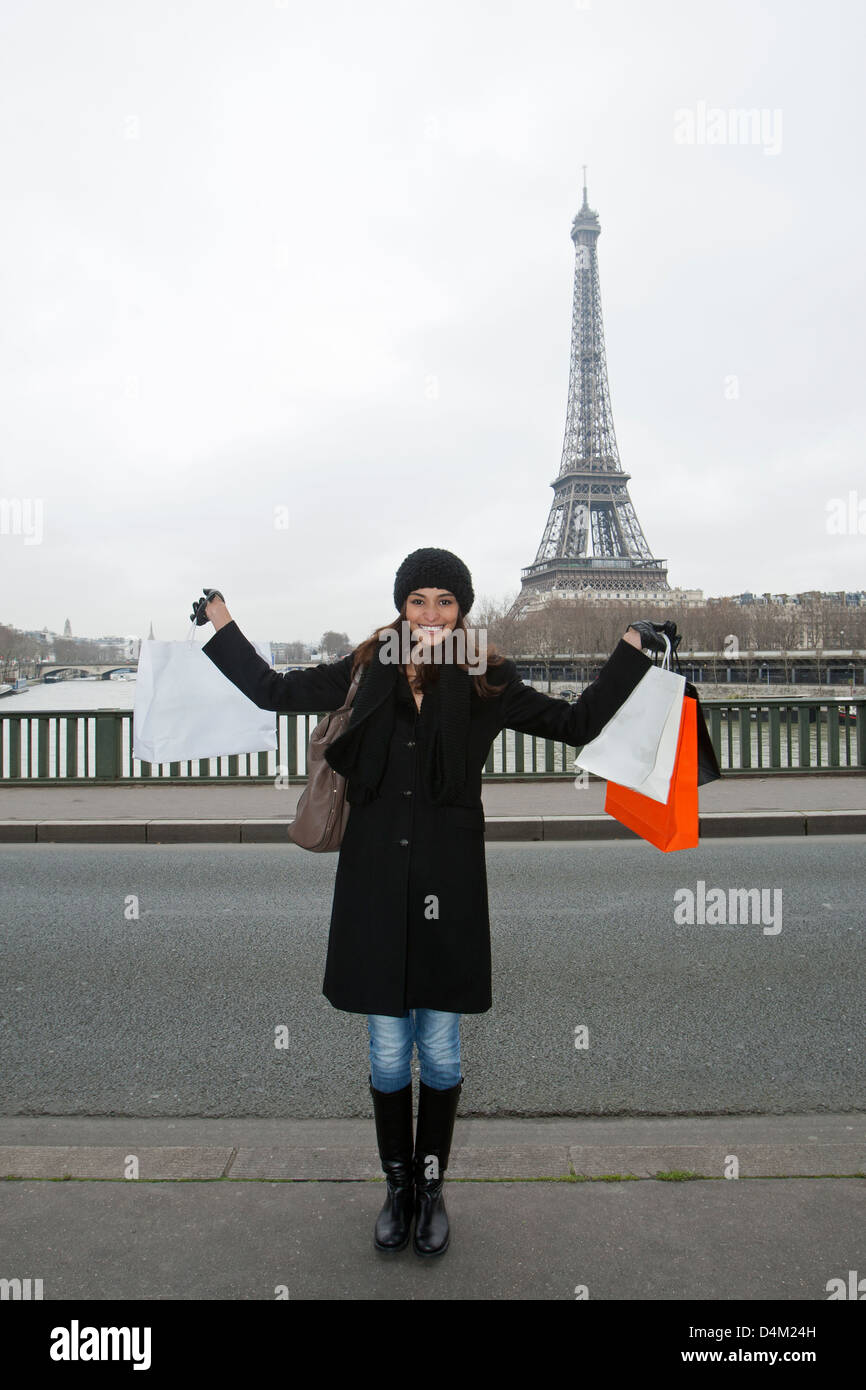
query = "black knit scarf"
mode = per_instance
[{"x": 360, "y": 753}]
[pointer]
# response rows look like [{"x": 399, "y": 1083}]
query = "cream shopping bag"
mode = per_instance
[{"x": 186, "y": 708}]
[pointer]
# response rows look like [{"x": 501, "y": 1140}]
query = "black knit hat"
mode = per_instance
[{"x": 432, "y": 568}]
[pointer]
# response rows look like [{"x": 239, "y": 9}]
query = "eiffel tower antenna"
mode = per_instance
[{"x": 590, "y": 493}]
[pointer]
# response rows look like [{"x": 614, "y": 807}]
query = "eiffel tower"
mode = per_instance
[{"x": 590, "y": 494}]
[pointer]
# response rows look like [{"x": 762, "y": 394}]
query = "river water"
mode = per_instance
[{"x": 70, "y": 695}]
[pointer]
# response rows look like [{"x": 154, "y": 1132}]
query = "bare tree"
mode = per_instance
[{"x": 334, "y": 644}]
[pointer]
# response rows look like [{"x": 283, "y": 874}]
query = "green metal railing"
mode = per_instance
[{"x": 86, "y": 746}]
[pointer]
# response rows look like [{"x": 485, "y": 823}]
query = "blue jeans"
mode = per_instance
[{"x": 437, "y": 1036}]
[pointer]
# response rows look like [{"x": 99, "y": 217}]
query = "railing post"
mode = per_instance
[
  {"x": 15, "y": 746},
  {"x": 287, "y": 756},
  {"x": 71, "y": 721},
  {"x": 744, "y": 714},
  {"x": 775, "y": 732},
  {"x": 518, "y": 754},
  {"x": 716, "y": 732},
  {"x": 804, "y": 751},
  {"x": 759, "y": 731},
  {"x": 108, "y": 731},
  {"x": 43, "y": 746},
  {"x": 833, "y": 716}
]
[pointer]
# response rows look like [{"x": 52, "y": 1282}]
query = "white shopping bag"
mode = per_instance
[
  {"x": 186, "y": 708},
  {"x": 638, "y": 746}
]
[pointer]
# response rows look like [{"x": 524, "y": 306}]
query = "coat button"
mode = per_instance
[{"x": 404, "y": 842}]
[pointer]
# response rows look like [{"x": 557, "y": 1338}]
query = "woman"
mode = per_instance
[{"x": 409, "y": 942}]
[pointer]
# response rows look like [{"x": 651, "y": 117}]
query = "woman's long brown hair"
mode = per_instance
[{"x": 427, "y": 672}]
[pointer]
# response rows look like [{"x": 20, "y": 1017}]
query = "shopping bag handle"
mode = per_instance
[
  {"x": 676, "y": 656},
  {"x": 665, "y": 662},
  {"x": 666, "y": 659}
]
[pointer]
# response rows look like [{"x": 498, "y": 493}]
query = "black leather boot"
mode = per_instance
[
  {"x": 436, "y": 1114},
  {"x": 393, "y": 1113}
]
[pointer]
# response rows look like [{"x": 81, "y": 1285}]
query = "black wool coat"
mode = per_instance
[{"x": 409, "y": 922}]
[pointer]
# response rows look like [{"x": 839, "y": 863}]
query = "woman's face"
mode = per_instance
[{"x": 431, "y": 613}]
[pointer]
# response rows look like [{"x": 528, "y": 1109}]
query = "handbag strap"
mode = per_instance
[{"x": 353, "y": 689}]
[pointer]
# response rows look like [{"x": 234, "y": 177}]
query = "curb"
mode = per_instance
[
  {"x": 713, "y": 825},
  {"x": 351, "y": 1163}
]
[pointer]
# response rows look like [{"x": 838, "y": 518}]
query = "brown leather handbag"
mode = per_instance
[{"x": 322, "y": 810}]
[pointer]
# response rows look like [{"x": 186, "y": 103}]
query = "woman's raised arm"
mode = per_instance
[
  {"x": 325, "y": 687},
  {"x": 529, "y": 711}
]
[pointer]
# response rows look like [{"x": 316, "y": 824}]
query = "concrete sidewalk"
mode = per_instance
[
  {"x": 484, "y": 1149},
  {"x": 236, "y": 1209},
  {"x": 822, "y": 804}
]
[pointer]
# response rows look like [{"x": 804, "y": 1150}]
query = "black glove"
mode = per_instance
[
  {"x": 670, "y": 628},
  {"x": 198, "y": 614},
  {"x": 650, "y": 634}
]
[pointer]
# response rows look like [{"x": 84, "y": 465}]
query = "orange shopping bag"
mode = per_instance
[{"x": 673, "y": 824}]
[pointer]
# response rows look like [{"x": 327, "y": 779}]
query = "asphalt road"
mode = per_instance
[
  {"x": 174, "y": 1012},
  {"x": 626, "y": 1241}
]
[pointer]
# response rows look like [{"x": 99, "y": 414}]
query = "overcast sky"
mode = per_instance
[{"x": 287, "y": 294}]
